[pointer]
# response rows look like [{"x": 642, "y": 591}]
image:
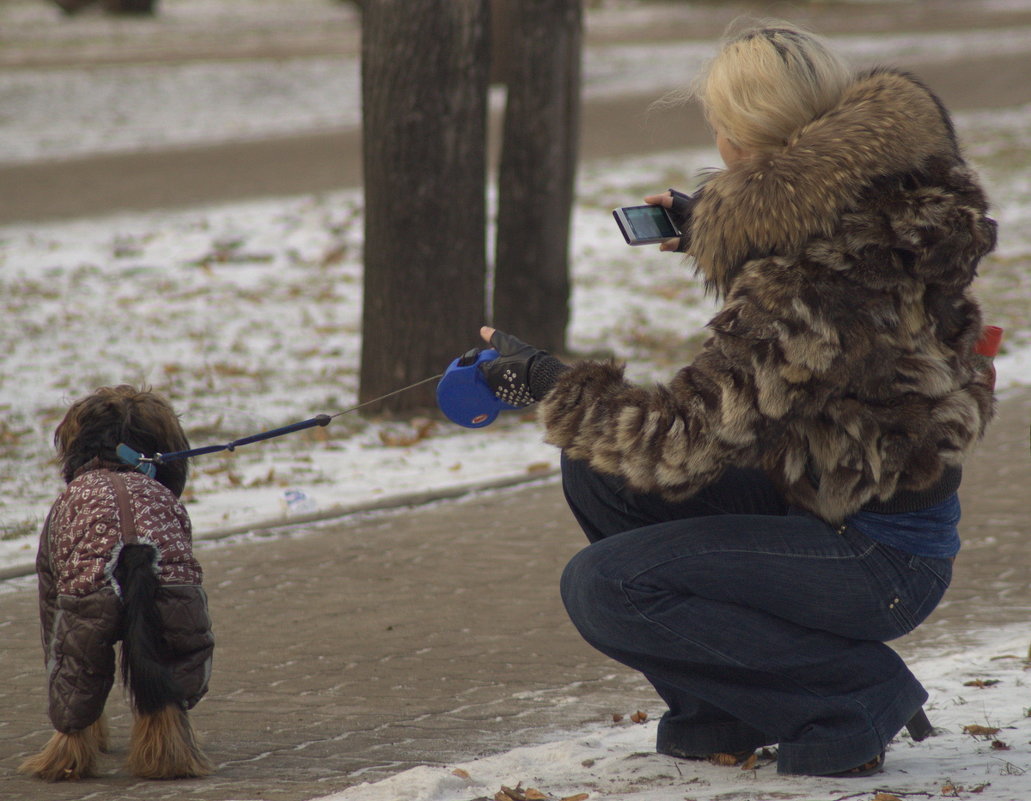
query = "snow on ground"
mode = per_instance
[{"x": 986, "y": 688}]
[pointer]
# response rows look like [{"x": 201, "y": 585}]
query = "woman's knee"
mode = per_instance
[{"x": 592, "y": 592}]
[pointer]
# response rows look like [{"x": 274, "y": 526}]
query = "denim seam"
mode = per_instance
[
  {"x": 671, "y": 560},
  {"x": 623, "y": 586}
]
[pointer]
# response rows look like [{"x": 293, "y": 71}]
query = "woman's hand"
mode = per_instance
[
  {"x": 665, "y": 200},
  {"x": 522, "y": 374},
  {"x": 508, "y": 376}
]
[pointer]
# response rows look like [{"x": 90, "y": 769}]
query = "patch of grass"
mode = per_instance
[{"x": 13, "y": 530}]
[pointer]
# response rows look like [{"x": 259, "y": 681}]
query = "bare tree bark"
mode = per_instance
[
  {"x": 424, "y": 105},
  {"x": 538, "y": 171},
  {"x": 131, "y": 6},
  {"x": 127, "y": 7}
]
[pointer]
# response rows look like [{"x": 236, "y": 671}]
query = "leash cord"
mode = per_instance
[{"x": 318, "y": 420}]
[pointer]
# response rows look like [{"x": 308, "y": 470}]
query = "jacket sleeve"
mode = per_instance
[
  {"x": 765, "y": 364},
  {"x": 47, "y": 589},
  {"x": 673, "y": 439},
  {"x": 82, "y": 658},
  {"x": 187, "y": 630}
]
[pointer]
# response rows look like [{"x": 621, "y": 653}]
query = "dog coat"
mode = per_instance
[{"x": 79, "y": 604}]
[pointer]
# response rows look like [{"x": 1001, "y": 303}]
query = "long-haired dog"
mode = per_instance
[{"x": 116, "y": 562}]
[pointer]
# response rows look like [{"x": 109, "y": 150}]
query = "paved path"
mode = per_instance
[{"x": 355, "y": 650}]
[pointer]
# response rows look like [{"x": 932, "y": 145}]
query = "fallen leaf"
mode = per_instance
[
  {"x": 639, "y": 716},
  {"x": 617, "y": 718},
  {"x": 514, "y": 793},
  {"x": 980, "y": 731},
  {"x": 999, "y": 745},
  {"x": 577, "y": 797},
  {"x": 981, "y": 683},
  {"x": 538, "y": 467},
  {"x": 422, "y": 428},
  {"x": 532, "y": 794},
  {"x": 462, "y": 774},
  {"x": 886, "y": 797}
]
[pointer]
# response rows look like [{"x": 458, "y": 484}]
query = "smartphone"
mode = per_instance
[{"x": 645, "y": 225}]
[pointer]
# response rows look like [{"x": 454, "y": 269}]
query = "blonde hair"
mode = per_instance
[{"x": 767, "y": 81}]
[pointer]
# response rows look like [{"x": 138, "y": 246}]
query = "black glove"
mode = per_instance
[
  {"x": 522, "y": 374},
  {"x": 680, "y": 212}
]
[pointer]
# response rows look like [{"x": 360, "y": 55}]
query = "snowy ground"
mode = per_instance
[
  {"x": 979, "y": 751},
  {"x": 247, "y": 317}
]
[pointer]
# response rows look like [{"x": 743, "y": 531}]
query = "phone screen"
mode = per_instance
[{"x": 649, "y": 222}]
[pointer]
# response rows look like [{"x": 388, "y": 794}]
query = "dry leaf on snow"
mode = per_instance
[
  {"x": 980, "y": 731},
  {"x": 421, "y": 429}
]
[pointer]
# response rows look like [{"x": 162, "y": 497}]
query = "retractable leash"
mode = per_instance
[
  {"x": 148, "y": 464},
  {"x": 462, "y": 395}
]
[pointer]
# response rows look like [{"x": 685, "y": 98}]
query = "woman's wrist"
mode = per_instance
[{"x": 544, "y": 372}]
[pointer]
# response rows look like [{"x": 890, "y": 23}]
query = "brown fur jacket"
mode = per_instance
[{"x": 840, "y": 362}]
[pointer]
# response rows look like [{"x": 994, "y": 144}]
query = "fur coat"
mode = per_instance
[{"x": 840, "y": 362}]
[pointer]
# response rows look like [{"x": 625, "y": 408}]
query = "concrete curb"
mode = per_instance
[{"x": 403, "y": 501}]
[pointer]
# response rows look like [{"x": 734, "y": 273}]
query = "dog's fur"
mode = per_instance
[{"x": 163, "y": 744}]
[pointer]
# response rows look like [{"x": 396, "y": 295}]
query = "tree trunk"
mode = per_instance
[
  {"x": 72, "y": 6},
  {"x": 126, "y": 7},
  {"x": 537, "y": 172},
  {"x": 130, "y": 6},
  {"x": 424, "y": 106}
]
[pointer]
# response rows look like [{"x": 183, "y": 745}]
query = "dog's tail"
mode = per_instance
[{"x": 145, "y": 671}]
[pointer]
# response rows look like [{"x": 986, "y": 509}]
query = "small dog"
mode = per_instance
[{"x": 116, "y": 562}]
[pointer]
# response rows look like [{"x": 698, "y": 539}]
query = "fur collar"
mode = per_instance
[{"x": 886, "y": 123}]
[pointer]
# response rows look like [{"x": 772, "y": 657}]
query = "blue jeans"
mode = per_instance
[{"x": 755, "y": 622}]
